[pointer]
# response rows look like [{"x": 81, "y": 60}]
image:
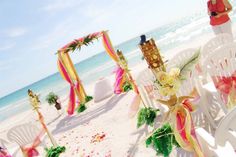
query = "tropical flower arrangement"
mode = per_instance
[{"x": 178, "y": 119}]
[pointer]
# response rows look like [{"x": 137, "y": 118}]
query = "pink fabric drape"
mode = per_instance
[
  {"x": 71, "y": 103},
  {"x": 120, "y": 78}
]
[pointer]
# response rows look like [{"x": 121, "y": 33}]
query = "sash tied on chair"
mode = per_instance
[{"x": 226, "y": 85}]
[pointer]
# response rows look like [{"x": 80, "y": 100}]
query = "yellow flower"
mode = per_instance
[
  {"x": 170, "y": 83},
  {"x": 174, "y": 72},
  {"x": 164, "y": 78}
]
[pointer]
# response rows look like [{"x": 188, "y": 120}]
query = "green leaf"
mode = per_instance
[
  {"x": 146, "y": 115},
  {"x": 188, "y": 65},
  {"x": 163, "y": 140},
  {"x": 149, "y": 141},
  {"x": 88, "y": 98},
  {"x": 127, "y": 86},
  {"x": 55, "y": 152},
  {"x": 81, "y": 108}
]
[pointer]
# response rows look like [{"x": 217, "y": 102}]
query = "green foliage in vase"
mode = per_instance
[
  {"x": 51, "y": 98},
  {"x": 146, "y": 116},
  {"x": 163, "y": 140},
  {"x": 55, "y": 152},
  {"x": 81, "y": 108}
]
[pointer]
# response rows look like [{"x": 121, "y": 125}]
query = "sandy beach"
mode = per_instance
[{"x": 108, "y": 118}]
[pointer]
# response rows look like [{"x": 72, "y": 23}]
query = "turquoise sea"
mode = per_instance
[{"x": 168, "y": 36}]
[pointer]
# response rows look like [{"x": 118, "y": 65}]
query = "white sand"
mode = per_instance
[{"x": 110, "y": 117}]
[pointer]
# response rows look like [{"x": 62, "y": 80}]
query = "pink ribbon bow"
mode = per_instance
[{"x": 225, "y": 85}]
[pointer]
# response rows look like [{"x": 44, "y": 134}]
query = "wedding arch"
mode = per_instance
[{"x": 68, "y": 71}]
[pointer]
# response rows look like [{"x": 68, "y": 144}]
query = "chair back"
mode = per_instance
[
  {"x": 190, "y": 82},
  {"x": 214, "y": 43},
  {"x": 145, "y": 77},
  {"x": 222, "y": 62},
  {"x": 23, "y": 134},
  {"x": 191, "y": 86}
]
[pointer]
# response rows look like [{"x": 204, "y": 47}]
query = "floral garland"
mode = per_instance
[{"x": 78, "y": 43}]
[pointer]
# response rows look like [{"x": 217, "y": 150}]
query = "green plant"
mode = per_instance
[
  {"x": 146, "y": 115},
  {"x": 88, "y": 98},
  {"x": 81, "y": 108},
  {"x": 51, "y": 98},
  {"x": 163, "y": 140},
  {"x": 127, "y": 86},
  {"x": 55, "y": 152}
]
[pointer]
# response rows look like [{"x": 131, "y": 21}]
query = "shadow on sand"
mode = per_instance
[{"x": 68, "y": 122}]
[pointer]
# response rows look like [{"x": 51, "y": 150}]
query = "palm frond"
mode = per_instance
[{"x": 189, "y": 64}]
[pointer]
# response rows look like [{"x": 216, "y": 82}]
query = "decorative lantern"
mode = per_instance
[{"x": 151, "y": 54}]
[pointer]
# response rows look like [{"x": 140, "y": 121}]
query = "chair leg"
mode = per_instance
[
  {"x": 225, "y": 110},
  {"x": 205, "y": 110}
]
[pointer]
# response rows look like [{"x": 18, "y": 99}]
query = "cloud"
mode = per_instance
[
  {"x": 58, "y": 5},
  {"x": 6, "y": 47},
  {"x": 15, "y": 32}
]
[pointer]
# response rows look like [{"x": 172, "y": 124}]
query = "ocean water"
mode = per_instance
[{"x": 168, "y": 36}]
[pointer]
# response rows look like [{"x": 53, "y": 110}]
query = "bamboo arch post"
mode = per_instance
[
  {"x": 76, "y": 91},
  {"x": 77, "y": 79}
]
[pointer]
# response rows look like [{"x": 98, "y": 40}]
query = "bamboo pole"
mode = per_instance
[
  {"x": 35, "y": 104},
  {"x": 77, "y": 78},
  {"x": 63, "y": 61},
  {"x": 53, "y": 141}
]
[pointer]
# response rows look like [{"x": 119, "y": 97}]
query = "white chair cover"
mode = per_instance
[{"x": 102, "y": 90}]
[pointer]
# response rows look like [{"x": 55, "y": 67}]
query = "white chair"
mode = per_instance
[
  {"x": 192, "y": 83},
  {"x": 209, "y": 47},
  {"x": 221, "y": 62},
  {"x": 224, "y": 142},
  {"x": 23, "y": 134},
  {"x": 215, "y": 43},
  {"x": 227, "y": 128},
  {"x": 102, "y": 90}
]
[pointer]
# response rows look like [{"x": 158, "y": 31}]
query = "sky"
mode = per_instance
[{"x": 32, "y": 31}]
